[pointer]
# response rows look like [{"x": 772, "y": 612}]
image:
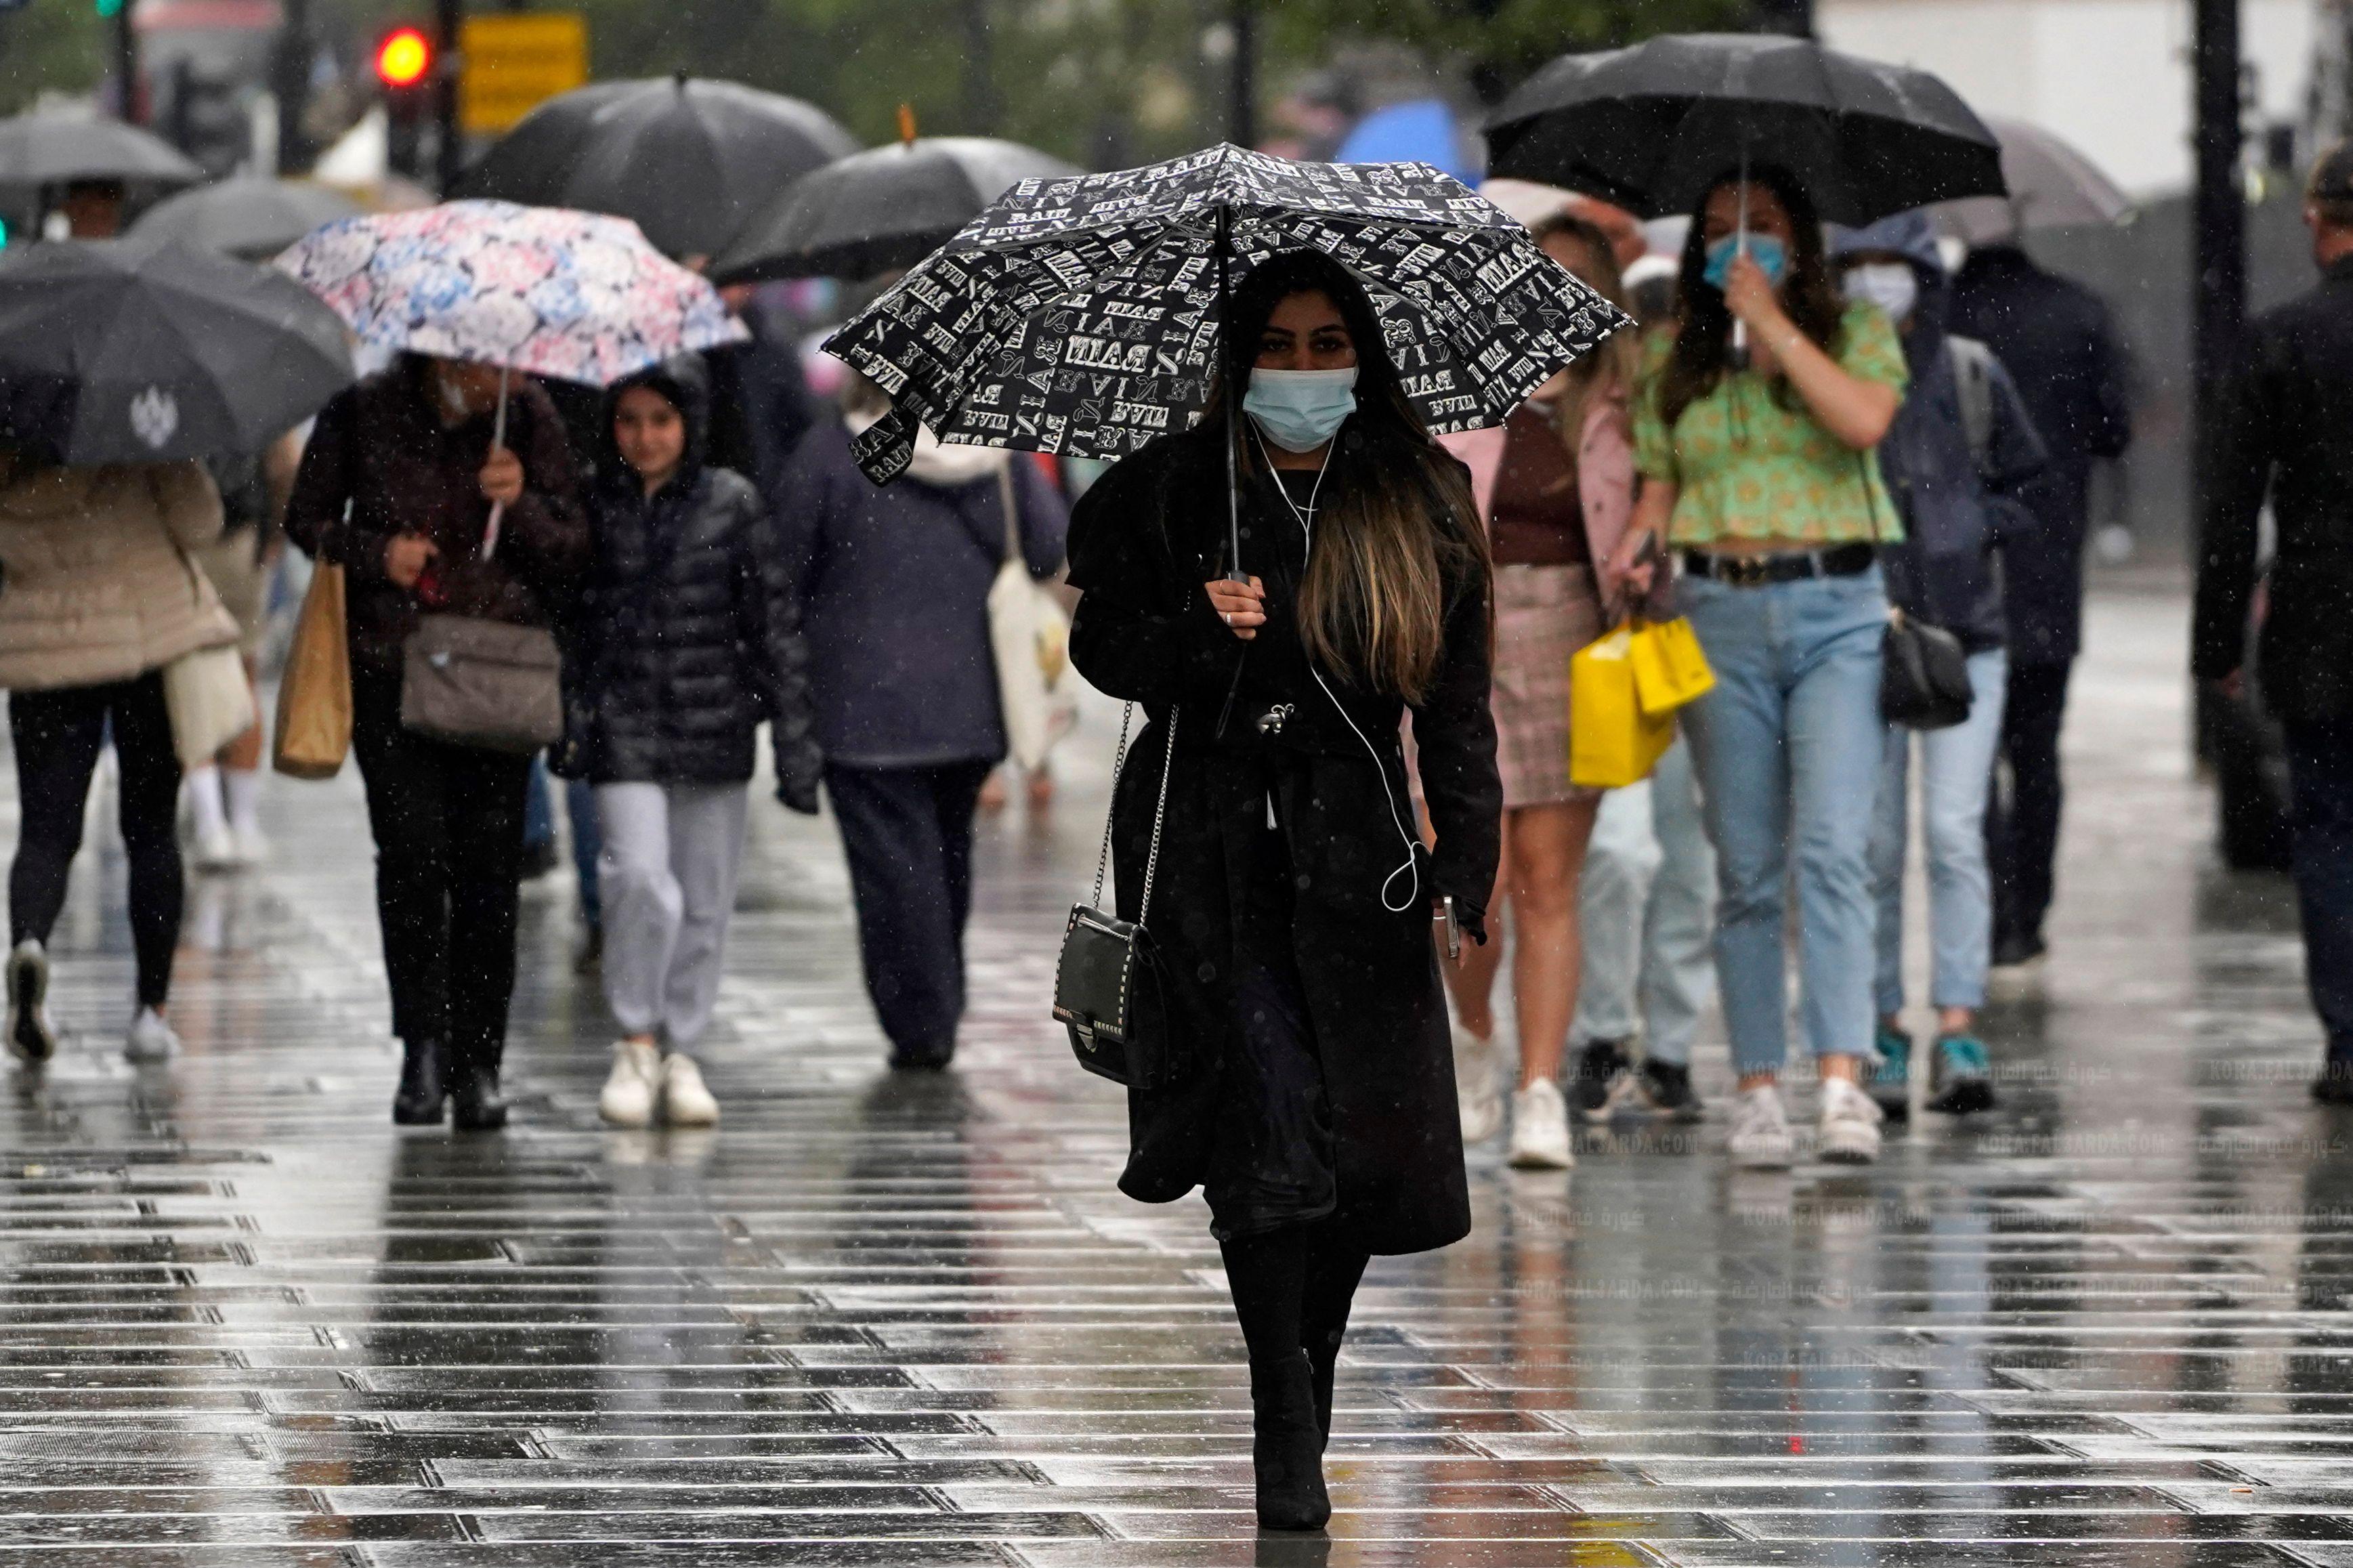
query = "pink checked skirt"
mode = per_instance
[{"x": 1543, "y": 615}]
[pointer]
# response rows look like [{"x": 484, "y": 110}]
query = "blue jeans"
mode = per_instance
[
  {"x": 588, "y": 843},
  {"x": 1956, "y": 780},
  {"x": 1788, "y": 750},
  {"x": 1649, "y": 873},
  {"x": 2320, "y": 783}
]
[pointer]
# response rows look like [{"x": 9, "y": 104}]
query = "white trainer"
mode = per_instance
[
  {"x": 1478, "y": 1085},
  {"x": 150, "y": 1039},
  {"x": 1540, "y": 1129},
  {"x": 1849, "y": 1134},
  {"x": 633, "y": 1087},
  {"x": 1760, "y": 1131},
  {"x": 216, "y": 849},
  {"x": 685, "y": 1101}
]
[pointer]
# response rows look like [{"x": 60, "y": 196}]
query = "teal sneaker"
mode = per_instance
[
  {"x": 1961, "y": 1079},
  {"x": 1890, "y": 1086}
]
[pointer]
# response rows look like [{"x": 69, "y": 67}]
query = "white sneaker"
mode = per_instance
[
  {"x": 1850, "y": 1126},
  {"x": 216, "y": 849},
  {"x": 685, "y": 1101},
  {"x": 150, "y": 1039},
  {"x": 633, "y": 1087},
  {"x": 30, "y": 1037},
  {"x": 1540, "y": 1129},
  {"x": 1760, "y": 1131},
  {"x": 251, "y": 845},
  {"x": 1478, "y": 1085}
]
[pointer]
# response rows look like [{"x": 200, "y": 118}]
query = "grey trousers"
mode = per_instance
[
  {"x": 1648, "y": 907},
  {"x": 668, "y": 875}
]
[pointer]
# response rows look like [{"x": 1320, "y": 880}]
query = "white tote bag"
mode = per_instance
[
  {"x": 210, "y": 704},
  {"x": 1030, "y": 637}
]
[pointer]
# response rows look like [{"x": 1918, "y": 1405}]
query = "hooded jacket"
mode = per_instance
[
  {"x": 95, "y": 581},
  {"x": 381, "y": 463},
  {"x": 686, "y": 636},
  {"x": 1956, "y": 515}
]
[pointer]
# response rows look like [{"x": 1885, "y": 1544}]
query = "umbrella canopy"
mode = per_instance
[
  {"x": 884, "y": 208},
  {"x": 2051, "y": 186},
  {"x": 1652, "y": 127},
  {"x": 58, "y": 149},
  {"x": 571, "y": 295},
  {"x": 128, "y": 351},
  {"x": 1084, "y": 315},
  {"x": 249, "y": 218},
  {"x": 688, "y": 161}
]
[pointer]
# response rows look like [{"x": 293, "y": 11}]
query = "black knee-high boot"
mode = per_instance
[
  {"x": 1287, "y": 1446},
  {"x": 1328, "y": 1290}
]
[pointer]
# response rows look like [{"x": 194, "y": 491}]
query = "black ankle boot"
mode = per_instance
[
  {"x": 475, "y": 1103},
  {"x": 1287, "y": 1446},
  {"x": 417, "y": 1102}
]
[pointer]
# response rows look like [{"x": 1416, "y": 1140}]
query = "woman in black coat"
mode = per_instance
[
  {"x": 1294, "y": 902},
  {"x": 687, "y": 639}
]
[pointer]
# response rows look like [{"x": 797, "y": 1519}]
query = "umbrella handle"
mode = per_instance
[{"x": 498, "y": 439}]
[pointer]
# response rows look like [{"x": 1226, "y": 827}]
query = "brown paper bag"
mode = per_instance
[{"x": 314, "y": 696}]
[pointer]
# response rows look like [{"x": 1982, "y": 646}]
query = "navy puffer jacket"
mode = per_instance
[{"x": 688, "y": 636}]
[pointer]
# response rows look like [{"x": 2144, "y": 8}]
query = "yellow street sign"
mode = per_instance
[{"x": 510, "y": 62}]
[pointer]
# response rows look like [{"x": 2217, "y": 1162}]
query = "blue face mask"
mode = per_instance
[
  {"x": 1763, "y": 249},
  {"x": 1299, "y": 410}
]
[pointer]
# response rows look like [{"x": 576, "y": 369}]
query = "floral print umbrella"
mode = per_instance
[{"x": 540, "y": 289}]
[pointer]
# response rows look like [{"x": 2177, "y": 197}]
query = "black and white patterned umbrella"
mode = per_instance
[{"x": 1082, "y": 315}]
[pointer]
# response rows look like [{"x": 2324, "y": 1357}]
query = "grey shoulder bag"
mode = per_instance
[{"x": 1107, "y": 981}]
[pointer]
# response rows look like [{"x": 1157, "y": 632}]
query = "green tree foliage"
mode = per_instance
[
  {"x": 1500, "y": 41},
  {"x": 54, "y": 45}
]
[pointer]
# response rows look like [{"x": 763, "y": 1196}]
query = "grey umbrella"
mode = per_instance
[
  {"x": 883, "y": 209},
  {"x": 125, "y": 351},
  {"x": 249, "y": 218},
  {"x": 58, "y": 149},
  {"x": 2051, "y": 186}
]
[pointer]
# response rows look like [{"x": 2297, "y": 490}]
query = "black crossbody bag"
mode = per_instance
[
  {"x": 1107, "y": 990},
  {"x": 1924, "y": 671}
]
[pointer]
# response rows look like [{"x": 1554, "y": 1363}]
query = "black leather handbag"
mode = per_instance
[
  {"x": 1924, "y": 676},
  {"x": 1107, "y": 983}
]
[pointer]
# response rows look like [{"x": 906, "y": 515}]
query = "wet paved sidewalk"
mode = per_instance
[{"x": 244, "y": 1321}]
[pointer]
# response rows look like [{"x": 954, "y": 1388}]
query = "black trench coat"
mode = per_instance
[{"x": 1143, "y": 543}]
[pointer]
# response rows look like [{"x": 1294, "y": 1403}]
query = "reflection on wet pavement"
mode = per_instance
[{"x": 243, "y": 1321}]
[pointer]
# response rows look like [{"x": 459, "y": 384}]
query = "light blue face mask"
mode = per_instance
[
  {"x": 1300, "y": 410},
  {"x": 1763, "y": 249}
]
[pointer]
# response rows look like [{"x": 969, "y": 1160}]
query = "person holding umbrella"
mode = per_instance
[
  {"x": 1762, "y": 474},
  {"x": 396, "y": 486},
  {"x": 1295, "y": 893},
  {"x": 121, "y": 368}
]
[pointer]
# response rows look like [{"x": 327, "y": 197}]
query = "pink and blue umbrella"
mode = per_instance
[{"x": 543, "y": 290}]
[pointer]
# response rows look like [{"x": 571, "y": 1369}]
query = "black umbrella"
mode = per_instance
[
  {"x": 58, "y": 149},
  {"x": 1084, "y": 315},
  {"x": 131, "y": 351},
  {"x": 248, "y": 218},
  {"x": 1652, "y": 127},
  {"x": 689, "y": 161},
  {"x": 884, "y": 208}
]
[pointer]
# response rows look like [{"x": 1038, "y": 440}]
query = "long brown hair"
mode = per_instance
[
  {"x": 1400, "y": 522},
  {"x": 1703, "y": 332},
  {"x": 1609, "y": 365}
]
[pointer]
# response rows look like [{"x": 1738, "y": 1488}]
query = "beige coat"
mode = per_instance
[{"x": 95, "y": 581}]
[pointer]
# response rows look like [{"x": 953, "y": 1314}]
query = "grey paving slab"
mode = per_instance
[{"x": 910, "y": 1324}]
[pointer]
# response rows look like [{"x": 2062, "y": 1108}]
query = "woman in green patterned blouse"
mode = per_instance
[{"x": 1758, "y": 466}]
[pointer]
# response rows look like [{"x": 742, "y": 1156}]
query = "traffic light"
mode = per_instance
[{"x": 403, "y": 68}]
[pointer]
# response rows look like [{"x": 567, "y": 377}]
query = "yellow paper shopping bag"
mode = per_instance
[
  {"x": 1612, "y": 743},
  {"x": 1670, "y": 671}
]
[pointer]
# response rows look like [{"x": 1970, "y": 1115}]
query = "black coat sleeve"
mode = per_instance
[
  {"x": 2110, "y": 388},
  {"x": 1455, "y": 741},
  {"x": 543, "y": 536},
  {"x": 768, "y": 611},
  {"x": 1143, "y": 630},
  {"x": 2243, "y": 457},
  {"x": 324, "y": 484}
]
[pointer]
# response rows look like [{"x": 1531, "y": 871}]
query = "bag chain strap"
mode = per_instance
[{"x": 1159, "y": 814}]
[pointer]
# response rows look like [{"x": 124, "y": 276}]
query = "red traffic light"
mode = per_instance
[{"x": 404, "y": 59}]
